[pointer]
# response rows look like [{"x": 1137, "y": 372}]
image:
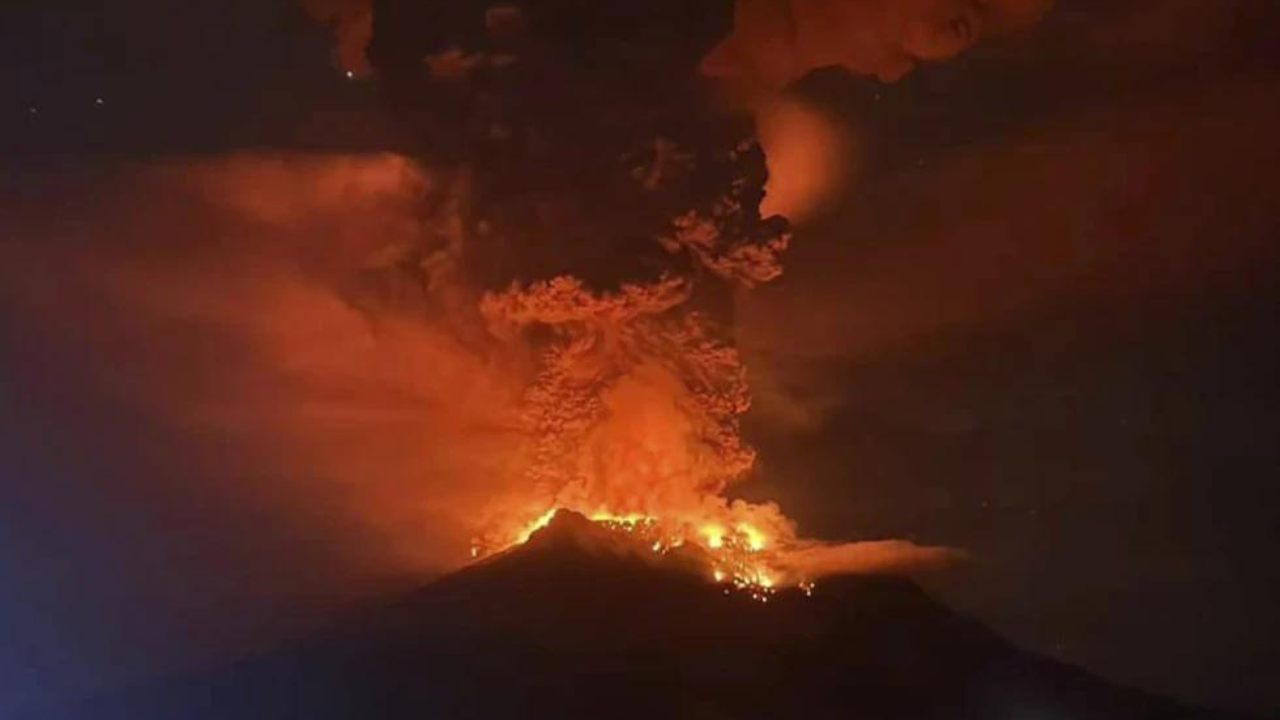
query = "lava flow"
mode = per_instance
[{"x": 738, "y": 557}]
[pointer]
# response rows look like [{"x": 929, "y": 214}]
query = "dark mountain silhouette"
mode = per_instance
[{"x": 584, "y": 622}]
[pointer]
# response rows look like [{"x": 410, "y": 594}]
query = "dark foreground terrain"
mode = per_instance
[{"x": 580, "y": 623}]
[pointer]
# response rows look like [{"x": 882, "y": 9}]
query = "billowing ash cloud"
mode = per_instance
[
  {"x": 262, "y": 302},
  {"x": 635, "y": 399},
  {"x": 311, "y": 312},
  {"x": 977, "y": 239},
  {"x": 775, "y": 43},
  {"x": 311, "y": 316}
]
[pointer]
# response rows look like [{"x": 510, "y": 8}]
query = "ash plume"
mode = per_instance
[
  {"x": 776, "y": 43},
  {"x": 318, "y": 319},
  {"x": 331, "y": 320},
  {"x": 1102, "y": 237},
  {"x": 380, "y": 368},
  {"x": 338, "y": 365},
  {"x": 772, "y": 43}
]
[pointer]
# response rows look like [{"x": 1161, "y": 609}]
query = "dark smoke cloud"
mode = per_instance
[
  {"x": 231, "y": 398},
  {"x": 1130, "y": 193},
  {"x": 332, "y": 369},
  {"x": 320, "y": 451}
]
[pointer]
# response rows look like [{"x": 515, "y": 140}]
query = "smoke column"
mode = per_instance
[{"x": 317, "y": 316}]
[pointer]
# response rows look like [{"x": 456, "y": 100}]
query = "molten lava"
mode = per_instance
[{"x": 738, "y": 557}]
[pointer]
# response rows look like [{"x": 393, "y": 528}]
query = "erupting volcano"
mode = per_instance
[
  {"x": 583, "y": 619},
  {"x": 633, "y": 415},
  {"x": 603, "y": 252},
  {"x": 514, "y": 350}
]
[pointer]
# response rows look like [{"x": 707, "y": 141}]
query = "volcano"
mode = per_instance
[{"x": 583, "y": 621}]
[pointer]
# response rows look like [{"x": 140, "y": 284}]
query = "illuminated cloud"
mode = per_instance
[{"x": 776, "y": 42}]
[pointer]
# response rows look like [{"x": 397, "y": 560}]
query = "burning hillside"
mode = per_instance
[{"x": 583, "y": 620}]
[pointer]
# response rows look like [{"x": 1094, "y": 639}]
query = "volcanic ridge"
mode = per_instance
[{"x": 584, "y": 621}]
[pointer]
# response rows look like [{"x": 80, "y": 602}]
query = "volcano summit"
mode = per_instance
[{"x": 584, "y": 621}]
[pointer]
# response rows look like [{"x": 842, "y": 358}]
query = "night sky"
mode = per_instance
[{"x": 1040, "y": 325}]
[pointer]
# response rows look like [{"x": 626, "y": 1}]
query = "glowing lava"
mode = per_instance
[{"x": 736, "y": 558}]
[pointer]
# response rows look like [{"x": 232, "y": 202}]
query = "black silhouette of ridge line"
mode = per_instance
[{"x": 581, "y": 622}]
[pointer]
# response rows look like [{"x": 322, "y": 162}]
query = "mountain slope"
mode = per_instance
[{"x": 582, "y": 622}]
